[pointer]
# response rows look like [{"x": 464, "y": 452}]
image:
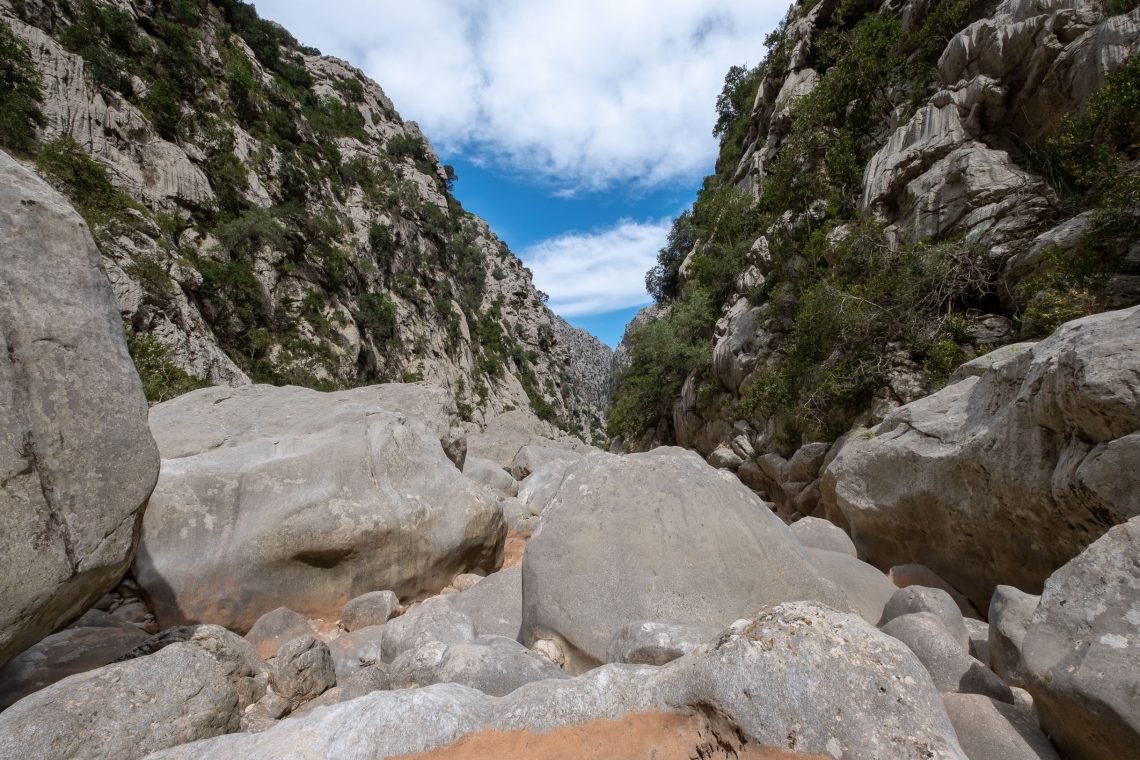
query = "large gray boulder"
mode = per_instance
[
  {"x": 817, "y": 533},
  {"x": 952, "y": 668},
  {"x": 933, "y": 600},
  {"x": 494, "y": 604},
  {"x": 494, "y": 665},
  {"x": 357, "y": 651},
  {"x": 236, "y": 658},
  {"x": 1010, "y": 614},
  {"x": 829, "y": 684},
  {"x": 1005, "y": 476},
  {"x": 275, "y": 628},
  {"x": 434, "y": 620},
  {"x": 371, "y": 501},
  {"x": 126, "y": 710},
  {"x": 302, "y": 670},
  {"x": 71, "y": 651},
  {"x": 658, "y": 642},
  {"x": 491, "y": 475},
  {"x": 373, "y": 608},
  {"x": 656, "y": 536},
  {"x": 992, "y": 730},
  {"x": 77, "y": 461},
  {"x": 1081, "y": 653},
  {"x": 867, "y": 590}
]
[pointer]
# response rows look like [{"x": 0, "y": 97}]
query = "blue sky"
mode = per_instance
[{"x": 578, "y": 128}]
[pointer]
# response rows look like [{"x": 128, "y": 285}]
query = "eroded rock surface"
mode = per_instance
[
  {"x": 289, "y": 497},
  {"x": 1003, "y": 477},
  {"x": 77, "y": 461}
]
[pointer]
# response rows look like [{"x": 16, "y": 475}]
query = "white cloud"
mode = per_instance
[
  {"x": 595, "y": 273},
  {"x": 581, "y": 94}
]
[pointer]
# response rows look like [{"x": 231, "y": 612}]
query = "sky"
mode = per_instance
[{"x": 578, "y": 128}]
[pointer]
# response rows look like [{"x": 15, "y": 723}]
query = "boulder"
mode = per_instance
[
  {"x": 536, "y": 491},
  {"x": 77, "y": 461},
  {"x": 532, "y": 457},
  {"x": 355, "y": 684},
  {"x": 724, "y": 458},
  {"x": 933, "y": 600},
  {"x": 494, "y": 605},
  {"x": 1010, "y": 614},
  {"x": 357, "y": 651},
  {"x": 952, "y": 669},
  {"x": 817, "y": 533},
  {"x": 1081, "y": 654},
  {"x": 980, "y": 641},
  {"x": 491, "y": 475},
  {"x": 805, "y": 464},
  {"x": 434, "y": 620},
  {"x": 807, "y": 665},
  {"x": 71, "y": 651},
  {"x": 494, "y": 665},
  {"x": 373, "y": 503},
  {"x": 1006, "y": 476},
  {"x": 992, "y": 730},
  {"x": 302, "y": 670},
  {"x": 866, "y": 588},
  {"x": 373, "y": 608},
  {"x": 654, "y": 642},
  {"x": 276, "y": 627},
  {"x": 235, "y": 657},
  {"x": 124, "y": 710},
  {"x": 633, "y": 538},
  {"x": 921, "y": 575},
  {"x": 430, "y": 404},
  {"x": 504, "y": 435}
]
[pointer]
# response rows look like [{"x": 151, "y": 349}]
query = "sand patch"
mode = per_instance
[{"x": 645, "y": 736}]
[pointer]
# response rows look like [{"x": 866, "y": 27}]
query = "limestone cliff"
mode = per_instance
[
  {"x": 265, "y": 214},
  {"x": 901, "y": 187}
]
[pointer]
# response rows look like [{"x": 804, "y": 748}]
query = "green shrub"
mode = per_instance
[
  {"x": 663, "y": 353},
  {"x": 20, "y": 94},
  {"x": 84, "y": 181},
  {"x": 162, "y": 379}
]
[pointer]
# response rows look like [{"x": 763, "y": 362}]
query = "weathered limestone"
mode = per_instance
[
  {"x": 372, "y": 502},
  {"x": 77, "y": 462},
  {"x": 1005, "y": 476}
]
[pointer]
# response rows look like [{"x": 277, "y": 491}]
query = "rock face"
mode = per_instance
[
  {"x": 494, "y": 665},
  {"x": 632, "y": 538},
  {"x": 71, "y": 651},
  {"x": 77, "y": 462},
  {"x": 176, "y": 695},
  {"x": 399, "y": 281},
  {"x": 1081, "y": 654},
  {"x": 808, "y": 665},
  {"x": 1003, "y": 477},
  {"x": 373, "y": 502}
]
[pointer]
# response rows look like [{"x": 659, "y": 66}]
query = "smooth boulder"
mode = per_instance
[
  {"x": 357, "y": 651},
  {"x": 77, "y": 461},
  {"x": 1010, "y": 614},
  {"x": 276, "y": 497},
  {"x": 1005, "y": 476},
  {"x": 434, "y": 620},
  {"x": 634, "y": 538},
  {"x": 952, "y": 668},
  {"x": 817, "y": 533},
  {"x": 1081, "y": 653},
  {"x": 125, "y": 710},
  {"x": 373, "y": 608},
  {"x": 658, "y": 642},
  {"x": 992, "y": 730},
  {"x": 494, "y": 665},
  {"x": 494, "y": 604},
  {"x": 71, "y": 651},
  {"x": 807, "y": 665},
  {"x": 275, "y": 628}
]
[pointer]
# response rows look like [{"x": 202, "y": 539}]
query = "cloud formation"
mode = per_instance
[
  {"x": 577, "y": 94},
  {"x": 600, "y": 272}
]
